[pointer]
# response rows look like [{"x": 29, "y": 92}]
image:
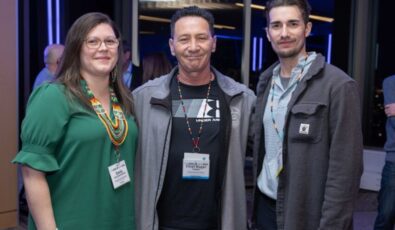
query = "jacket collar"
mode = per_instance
[
  {"x": 228, "y": 85},
  {"x": 162, "y": 95},
  {"x": 317, "y": 65}
]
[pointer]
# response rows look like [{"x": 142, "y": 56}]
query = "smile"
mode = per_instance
[
  {"x": 193, "y": 57},
  {"x": 102, "y": 58},
  {"x": 285, "y": 42}
]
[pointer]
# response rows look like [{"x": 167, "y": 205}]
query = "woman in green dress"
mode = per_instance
[{"x": 79, "y": 137}]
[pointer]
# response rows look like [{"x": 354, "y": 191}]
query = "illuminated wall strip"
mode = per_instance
[
  {"x": 260, "y": 53},
  {"x": 49, "y": 21},
  {"x": 51, "y": 28},
  {"x": 329, "y": 50},
  {"x": 254, "y": 54},
  {"x": 228, "y": 37},
  {"x": 57, "y": 23}
]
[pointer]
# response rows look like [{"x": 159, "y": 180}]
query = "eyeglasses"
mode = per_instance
[{"x": 95, "y": 43}]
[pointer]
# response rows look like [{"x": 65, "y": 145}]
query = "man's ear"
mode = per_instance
[
  {"x": 171, "y": 47},
  {"x": 214, "y": 44},
  {"x": 309, "y": 26},
  {"x": 267, "y": 34}
]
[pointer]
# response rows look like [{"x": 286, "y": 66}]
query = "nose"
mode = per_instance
[
  {"x": 194, "y": 45},
  {"x": 103, "y": 45},
  {"x": 284, "y": 31}
]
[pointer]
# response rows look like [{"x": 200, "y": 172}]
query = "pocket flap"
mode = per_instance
[{"x": 308, "y": 109}]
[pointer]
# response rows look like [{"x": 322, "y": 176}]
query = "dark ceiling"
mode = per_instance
[
  {"x": 320, "y": 7},
  {"x": 226, "y": 12}
]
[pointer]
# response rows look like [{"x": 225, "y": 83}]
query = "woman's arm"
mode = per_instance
[{"x": 38, "y": 198}]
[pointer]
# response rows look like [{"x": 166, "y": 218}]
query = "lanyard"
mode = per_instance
[
  {"x": 117, "y": 130},
  {"x": 298, "y": 79},
  {"x": 195, "y": 140}
]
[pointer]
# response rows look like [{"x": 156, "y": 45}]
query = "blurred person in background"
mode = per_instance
[
  {"x": 127, "y": 66},
  {"x": 155, "y": 65},
  {"x": 52, "y": 55},
  {"x": 386, "y": 209}
]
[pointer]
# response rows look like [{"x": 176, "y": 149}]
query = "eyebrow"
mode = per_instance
[
  {"x": 291, "y": 20},
  {"x": 107, "y": 37},
  {"x": 192, "y": 35}
]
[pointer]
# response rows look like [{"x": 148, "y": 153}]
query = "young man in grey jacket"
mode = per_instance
[
  {"x": 194, "y": 125},
  {"x": 308, "y": 139}
]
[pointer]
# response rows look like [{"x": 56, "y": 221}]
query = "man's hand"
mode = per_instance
[{"x": 390, "y": 110}]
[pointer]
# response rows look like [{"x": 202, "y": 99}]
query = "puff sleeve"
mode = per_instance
[{"x": 43, "y": 127}]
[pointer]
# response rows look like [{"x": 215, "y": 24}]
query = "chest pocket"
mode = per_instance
[{"x": 306, "y": 122}]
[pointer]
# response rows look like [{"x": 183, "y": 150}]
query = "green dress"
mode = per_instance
[{"x": 70, "y": 144}]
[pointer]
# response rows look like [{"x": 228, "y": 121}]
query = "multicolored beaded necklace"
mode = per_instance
[
  {"x": 117, "y": 130},
  {"x": 195, "y": 140}
]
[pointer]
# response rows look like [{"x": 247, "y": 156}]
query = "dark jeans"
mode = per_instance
[
  {"x": 265, "y": 213},
  {"x": 386, "y": 211}
]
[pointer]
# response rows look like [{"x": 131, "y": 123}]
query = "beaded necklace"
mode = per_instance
[
  {"x": 195, "y": 140},
  {"x": 117, "y": 130}
]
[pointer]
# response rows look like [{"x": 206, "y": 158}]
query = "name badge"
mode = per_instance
[
  {"x": 119, "y": 174},
  {"x": 196, "y": 166}
]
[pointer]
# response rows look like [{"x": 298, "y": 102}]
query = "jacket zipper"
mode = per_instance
[{"x": 160, "y": 174}]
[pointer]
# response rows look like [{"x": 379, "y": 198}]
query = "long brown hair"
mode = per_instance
[
  {"x": 155, "y": 65},
  {"x": 69, "y": 68}
]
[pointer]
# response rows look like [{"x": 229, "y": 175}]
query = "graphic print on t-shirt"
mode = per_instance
[{"x": 195, "y": 109}]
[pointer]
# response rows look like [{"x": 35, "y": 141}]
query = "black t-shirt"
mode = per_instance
[{"x": 185, "y": 203}]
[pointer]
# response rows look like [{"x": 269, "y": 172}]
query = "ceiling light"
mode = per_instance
[
  {"x": 153, "y": 19},
  {"x": 254, "y": 6},
  {"x": 321, "y": 18}
]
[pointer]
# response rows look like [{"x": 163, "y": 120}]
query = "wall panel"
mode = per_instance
[{"x": 8, "y": 113}]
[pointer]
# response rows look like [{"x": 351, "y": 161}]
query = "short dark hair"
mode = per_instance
[
  {"x": 303, "y": 6},
  {"x": 192, "y": 11}
]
